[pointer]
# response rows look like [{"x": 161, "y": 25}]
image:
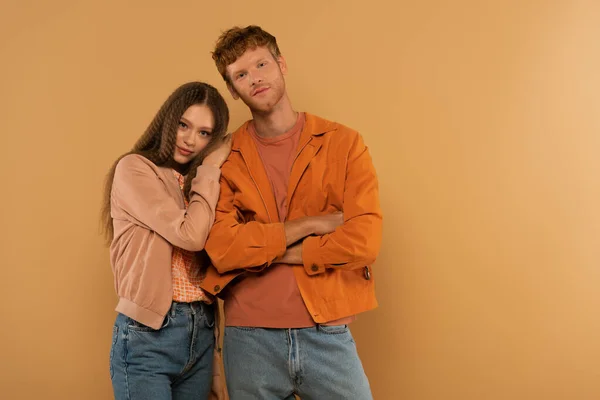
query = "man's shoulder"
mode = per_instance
[
  {"x": 334, "y": 131},
  {"x": 242, "y": 128},
  {"x": 322, "y": 125},
  {"x": 240, "y": 136}
]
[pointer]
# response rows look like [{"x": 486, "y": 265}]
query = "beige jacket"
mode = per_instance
[{"x": 149, "y": 218}]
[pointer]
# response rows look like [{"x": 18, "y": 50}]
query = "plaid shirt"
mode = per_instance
[{"x": 186, "y": 270}]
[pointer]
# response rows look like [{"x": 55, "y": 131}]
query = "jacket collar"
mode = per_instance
[
  {"x": 309, "y": 144},
  {"x": 314, "y": 126}
]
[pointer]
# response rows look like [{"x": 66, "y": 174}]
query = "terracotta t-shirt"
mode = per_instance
[{"x": 271, "y": 298}]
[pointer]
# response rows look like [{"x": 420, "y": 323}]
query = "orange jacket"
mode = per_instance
[{"x": 332, "y": 172}]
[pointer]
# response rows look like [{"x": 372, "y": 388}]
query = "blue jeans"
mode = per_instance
[
  {"x": 173, "y": 362},
  {"x": 272, "y": 364}
]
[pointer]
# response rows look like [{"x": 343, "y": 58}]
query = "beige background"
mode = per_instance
[{"x": 482, "y": 118}]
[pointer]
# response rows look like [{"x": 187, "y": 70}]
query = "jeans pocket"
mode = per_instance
[
  {"x": 333, "y": 329},
  {"x": 209, "y": 319},
  {"x": 139, "y": 327},
  {"x": 115, "y": 335}
]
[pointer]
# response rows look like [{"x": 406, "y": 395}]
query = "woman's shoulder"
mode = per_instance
[
  {"x": 137, "y": 163},
  {"x": 132, "y": 160},
  {"x": 134, "y": 166}
]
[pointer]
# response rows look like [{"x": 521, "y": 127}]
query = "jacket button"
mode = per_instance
[
  {"x": 367, "y": 273},
  {"x": 217, "y": 288},
  {"x": 314, "y": 268}
]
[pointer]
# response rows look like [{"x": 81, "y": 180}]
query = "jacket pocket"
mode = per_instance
[{"x": 209, "y": 319}]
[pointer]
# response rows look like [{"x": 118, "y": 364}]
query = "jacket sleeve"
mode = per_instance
[
  {"x": 141, "y": 196},
  {"x": 356, "y": 243},
  {"x": 233, "y": 244}
]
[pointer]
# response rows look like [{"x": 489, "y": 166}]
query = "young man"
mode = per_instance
[{"x": 297, "y": 227}]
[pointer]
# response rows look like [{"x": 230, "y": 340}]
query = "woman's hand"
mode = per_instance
[{"x": 218, "y": 156}]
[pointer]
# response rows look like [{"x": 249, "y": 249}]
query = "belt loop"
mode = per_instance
[{"x": 173, "y": 309}]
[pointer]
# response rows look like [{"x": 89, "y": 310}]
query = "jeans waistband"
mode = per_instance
[{"x": 195, "y": 307}]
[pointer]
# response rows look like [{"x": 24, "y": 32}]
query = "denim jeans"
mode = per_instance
[
  {"x": 173, "y": 362},
  {"x": 272, "y": 364}
]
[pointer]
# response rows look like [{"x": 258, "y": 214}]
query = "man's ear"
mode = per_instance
[
  {"x": 282, "y": 64},
  {"x": 233, "y": 92}
]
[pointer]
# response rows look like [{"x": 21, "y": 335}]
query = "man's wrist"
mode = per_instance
[
  {"x": 308, "y": 224},
  {"x": 298, "y": 229}
]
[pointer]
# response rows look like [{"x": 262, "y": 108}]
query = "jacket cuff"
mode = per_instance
[
  {"x": 275, "y": 246},
  {"x": 310, "y": 256},
  {"x": 209, "y": 171},
  {"x": 206, "y": 184},
  {"x": 276, "y": 242}
]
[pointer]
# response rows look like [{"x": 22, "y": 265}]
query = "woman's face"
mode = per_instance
[{"x": 193, "y": 133}]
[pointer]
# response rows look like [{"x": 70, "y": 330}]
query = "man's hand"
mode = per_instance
[
  {"x": 220, "y": 153},
  {"x": 325, "y": 224},
  {"x": 293, "y": 255},
  {"x": 319, "y": 225}
]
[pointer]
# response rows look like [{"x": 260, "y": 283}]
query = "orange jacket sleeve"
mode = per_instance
[
  {"x": 233, "y": 244},
  {"x": 356, "y": 243}
]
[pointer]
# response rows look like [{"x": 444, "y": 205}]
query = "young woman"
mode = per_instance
[{"x": 159, "y": 207}]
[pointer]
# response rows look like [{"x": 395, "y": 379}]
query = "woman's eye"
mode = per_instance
[
  {"x": 204, "y": 133},
  {"x": 182, "y": 125}
]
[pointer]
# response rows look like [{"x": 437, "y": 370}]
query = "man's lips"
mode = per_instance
[{"x": 260, "y": 90}]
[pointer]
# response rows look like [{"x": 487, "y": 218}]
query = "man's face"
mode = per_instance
[{"x": 257, "y": 78}]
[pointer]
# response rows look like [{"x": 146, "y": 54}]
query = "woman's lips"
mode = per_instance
[{"x": 184, "y": 151}]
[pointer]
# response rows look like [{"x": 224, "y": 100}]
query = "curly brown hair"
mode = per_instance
[
  {"x": 157, "y": 143},
  {"x": 235, "y": 41}
]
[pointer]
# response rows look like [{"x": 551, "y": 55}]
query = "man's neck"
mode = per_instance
[{"x": 275, "y": 122}]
